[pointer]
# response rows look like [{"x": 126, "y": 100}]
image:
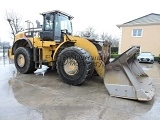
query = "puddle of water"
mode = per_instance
[
  {"x": 9, "y": 106},
  {"x": 4, "y": 60},
  {"x": 154, "y": 112}
]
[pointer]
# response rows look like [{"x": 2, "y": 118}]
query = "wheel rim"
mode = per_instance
[
  {"x": 70, "y": 66},
  {"x": 21, "y": 60}
]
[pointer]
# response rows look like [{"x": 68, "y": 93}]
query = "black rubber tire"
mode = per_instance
[
  {"x": 85, "y": 65},
  {"x": 29, "y": 65}
]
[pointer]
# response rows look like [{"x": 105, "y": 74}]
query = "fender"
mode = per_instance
[
  {"x": 60, "y": 47},
  {"x": 21, "y": 43}
]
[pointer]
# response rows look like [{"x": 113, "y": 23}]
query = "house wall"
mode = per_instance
[{"x": 149, "y": 42}]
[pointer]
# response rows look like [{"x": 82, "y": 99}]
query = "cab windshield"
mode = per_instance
[{"x": 63, "y": 23}]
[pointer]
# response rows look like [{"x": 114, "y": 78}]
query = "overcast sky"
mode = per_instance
[{"x": 103, "y": 15}]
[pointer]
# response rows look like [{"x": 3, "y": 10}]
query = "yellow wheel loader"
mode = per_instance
[{"x": 76, "y": 58}]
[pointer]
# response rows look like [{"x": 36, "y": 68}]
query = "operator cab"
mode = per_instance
[{"x": 54, "y": 23}]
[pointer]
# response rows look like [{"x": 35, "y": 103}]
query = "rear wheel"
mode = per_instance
[
  {"x": 23, "y": 59},
  {"x": 74, "y": 65}
]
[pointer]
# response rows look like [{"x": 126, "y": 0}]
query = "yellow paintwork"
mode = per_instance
[
  {"x": 57, "y": 49},
  {"x": 47, "y": 46},
  {"x": 10, "y": 54},
  {"x": 91, "y": 48},
  {"x": 88, "y": 46},
  {"x": 51, "y": 46},
  {"x": 19, "y": 35}
]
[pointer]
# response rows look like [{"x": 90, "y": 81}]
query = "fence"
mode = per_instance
[{"x": 4, "y": 59}]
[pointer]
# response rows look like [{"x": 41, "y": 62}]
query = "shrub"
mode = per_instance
[
  {"x": 156, "y": 58},
  {"x": 114, "y": 50},
  {"x": 114, "y": 55}
]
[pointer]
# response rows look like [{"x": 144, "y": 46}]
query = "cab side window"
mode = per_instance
[{"x": 48, "y": 22}]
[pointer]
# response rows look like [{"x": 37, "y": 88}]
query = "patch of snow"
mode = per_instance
[{"x": 41, "y": 70}]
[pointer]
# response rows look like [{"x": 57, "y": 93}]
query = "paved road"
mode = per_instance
[{"x": 34, "y": 97}]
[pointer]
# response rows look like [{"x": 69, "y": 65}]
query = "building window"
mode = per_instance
[{"x": 137, "y": 32}]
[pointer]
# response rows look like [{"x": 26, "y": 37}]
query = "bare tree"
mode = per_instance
[
  {"x": 89, "y": 32},
  {"x": 14, "y": 20},
  {"x": 115, "y": 42},
  {"x": 110, "y": 38},
  {"x": 106, "y": 37}
]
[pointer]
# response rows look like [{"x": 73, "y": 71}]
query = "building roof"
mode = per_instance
[{"x": 144, "y": 20}]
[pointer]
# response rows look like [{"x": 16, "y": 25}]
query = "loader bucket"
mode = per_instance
[{"x": 125, "y": 78}]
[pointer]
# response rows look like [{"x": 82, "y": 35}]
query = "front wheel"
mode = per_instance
[
  {"x": 23, "y": 59},
  {"x": 74, "y": 65}
]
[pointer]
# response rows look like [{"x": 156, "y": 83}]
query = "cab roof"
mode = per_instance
[{"x": 57, "y": 11}]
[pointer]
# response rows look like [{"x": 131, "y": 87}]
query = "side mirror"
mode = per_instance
[{"x": 65, "y": 31}]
